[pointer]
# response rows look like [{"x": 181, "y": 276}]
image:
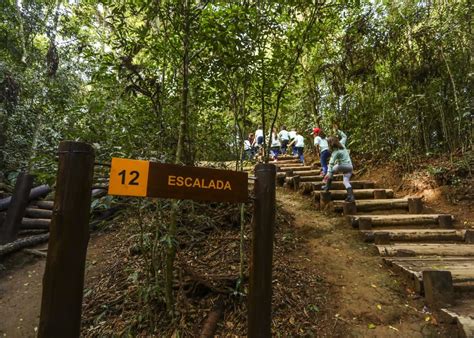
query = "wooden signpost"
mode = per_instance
[
  {"x": 151, "y": 179},
  {"x": 64, "y": 274}
]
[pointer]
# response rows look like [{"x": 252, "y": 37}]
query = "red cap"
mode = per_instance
[{"x": 316, "y": 130}]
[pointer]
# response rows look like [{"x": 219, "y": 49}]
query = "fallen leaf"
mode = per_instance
[
  {"x": 427, "y": 318},
  {"x": 292, "y": 320},
  {"x": 379, "y": 306},
  {"x": 371, "y": 326},
  {"x": 374, "y": 286}
]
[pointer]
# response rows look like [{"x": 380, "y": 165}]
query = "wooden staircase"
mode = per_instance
[{"x": 436, "y": 257}]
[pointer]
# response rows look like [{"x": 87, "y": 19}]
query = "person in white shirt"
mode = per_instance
[
  {"x": 322, "y": 147},
  {"x": 275, "y": 145},
  {"x": 298, "y": 142},
  {"x": 291, "y": 136},
  {"x": 284, "y": 137},
  {"x": 258, "y": 141},
  {"x": 249, "y": 148}
]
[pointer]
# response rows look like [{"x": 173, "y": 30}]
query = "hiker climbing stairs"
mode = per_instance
[{"x": 435, "y": 256}]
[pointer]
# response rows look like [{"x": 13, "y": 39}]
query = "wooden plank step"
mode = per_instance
[
  {"x": 462, "y": 270},
  {"x": 301, "y": 167},
  {"x": 416, "y": 235},
  {"x": 287, "y": 165},
  {"x": 398, "y": 219},
  {"x": 463, "y": 315},
  {"x": 412, "y": 268},
  {"x": 359, "y": 184},
  {"x": 426, "y": 249},
  {"x": 287, "y": 157},
  {"x": 303, "y": 173},
  {"x": 315, "y": 178},
  {"x": 358, "y": 193},
  {"x": 285, "y": 161},
  {"x": 372, "y": 205}
]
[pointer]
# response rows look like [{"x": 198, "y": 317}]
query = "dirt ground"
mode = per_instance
[
  {"x": 21, "y": 278},
  {"x": 368, "y": 300},
  {"x": 364, "y": 298}
]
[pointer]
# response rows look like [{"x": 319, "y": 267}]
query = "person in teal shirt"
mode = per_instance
[{"x": 340, "y": 162}]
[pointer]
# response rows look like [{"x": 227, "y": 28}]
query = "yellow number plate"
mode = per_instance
[{"x": 128, "y": 177}]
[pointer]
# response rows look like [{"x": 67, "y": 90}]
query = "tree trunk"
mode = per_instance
[{"x": 171, "y": 250}]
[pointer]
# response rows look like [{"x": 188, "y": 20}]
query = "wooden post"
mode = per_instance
[
  {"x": 438, "y": 286},
  {"x": 260, "y": 283},
  {"x": 16, "y": 210},
  {"x": 445, "y": 221},
  {"x": 469, "y": 236},
  {"x": 381, "y": 238},
  {"x": 349, "y": 208},
  {"x": 365, "y": 223},
  {"x": 63, "y": 280},
  {"x": 380, "y": 194},
  {"x": 325, "y": 198},
  {"x": 280, "y": 179},
  {"x": 415, "y": 205},
  {"x": 296, "y": 182},
  {"x": 368, "y": 185}
]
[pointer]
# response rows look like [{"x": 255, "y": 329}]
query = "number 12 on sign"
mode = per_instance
[{"x": 128, "y": 177}]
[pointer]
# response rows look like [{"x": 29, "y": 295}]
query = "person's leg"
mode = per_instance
[
  {"x": 324, "y": 161},
  {"x": 328, "y": 178},
  {"x": 300, "y": 154},
  {"x": 277, "y": 152},
  {"x": 346, "y": 171}
]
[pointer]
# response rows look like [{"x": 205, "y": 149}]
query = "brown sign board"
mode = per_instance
[{"x": 151, "y": 179}]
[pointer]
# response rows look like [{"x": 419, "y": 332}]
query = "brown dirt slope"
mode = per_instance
[{"x": 366, "y": 299}]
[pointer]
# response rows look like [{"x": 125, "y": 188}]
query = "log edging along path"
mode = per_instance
[
  {"x": 436, "y": 258},
  {"x": 38, "y": 214}
]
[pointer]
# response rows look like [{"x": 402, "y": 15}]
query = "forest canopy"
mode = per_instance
[{"x": 184, "y": 81}]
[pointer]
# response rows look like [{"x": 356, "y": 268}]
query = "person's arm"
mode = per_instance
[
  {"x": 343, "y": 137},
  {"x": 316, "y": 145}
]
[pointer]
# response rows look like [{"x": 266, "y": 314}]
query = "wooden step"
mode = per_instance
[
  {"x": 399, "y": 219},
  {"x": 287, "y": 157},
  {"x": 412, "y": 268},
  {"x": 358, "y": 193},
  {"x": 285, "y": 161},
  {"x": 287, "y": 165},
  {"x": 317, "y": 178},
  {"x": 373, "y": 205},
  {"x": 427, "y": 249},
  {"x": 416, "y": 235},
  {"x": 339, "y": 186},
  {"x": 296, "y": 168},
  {"x": 303, "y": 173},
  {"x": 463, "y": 315}
]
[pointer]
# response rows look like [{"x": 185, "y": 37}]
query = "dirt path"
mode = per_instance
[
  {"x": 368, "y": 299},
  {"x": 21, "y": 287}
]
